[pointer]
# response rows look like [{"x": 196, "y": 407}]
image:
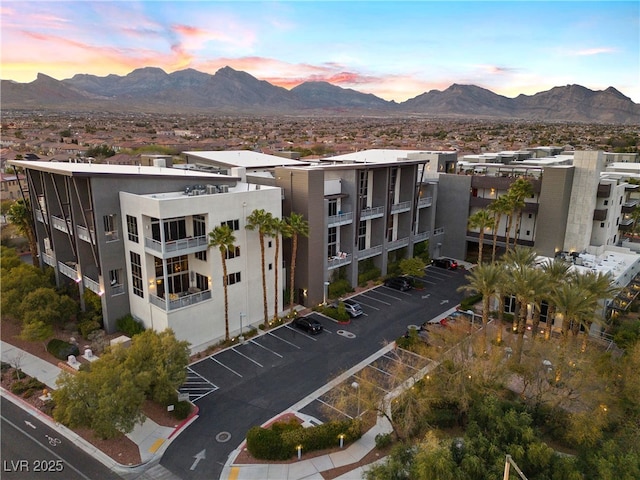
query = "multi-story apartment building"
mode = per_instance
[{"x": 138, "y": 237}]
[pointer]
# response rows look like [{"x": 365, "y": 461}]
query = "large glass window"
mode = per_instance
[
  {"x": 177, "y": 276},
  {"x": 136, "y": 274},
  {"x": 333, "y": 207},
  {"x": 232, "y": 252},
  {"x": 332, "y": 242},
  {"x": 199, "y": 226},
  {"x": 174, "y": 229},
  {"x": 362, "y": 235},
  {"x": 110, "y": 227},
  {"x": 233, "y": 224},
  {"x": 233, "y": 278},
  {"x": 132, "y": 228},
  {"x": 202, "y": 282},
  {"x": 363, "y": 189}
]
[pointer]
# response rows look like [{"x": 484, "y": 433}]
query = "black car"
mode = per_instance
[
  {"x": 308, "y": 324},
  {"x": 448, "y": 263},
  {"x": 399, "y": 283}
]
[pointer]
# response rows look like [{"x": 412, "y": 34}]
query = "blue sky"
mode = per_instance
[{"x": 396, "y": 50}]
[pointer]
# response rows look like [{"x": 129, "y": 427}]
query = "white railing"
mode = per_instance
[
  {"x": 438, "y": 231},
  {"x": 401, "y": 242},
  {"x": 369, "y": 252},
  {"x": 176, "y": 245},
  {"x": 49, "y": 259},
  {"x": 177, "y": 301},
  {"x": 372, "y": 212},
  {"x": 92, "y": 285},
  {"x": 112, "y": 236},
  {"x": 116, "y": 289},
  {"x": 68, "y": 271},
  {"x": 339, "y": 260},
  {"x": 85, "y": 234},
  {"x": 400, "y": 207},
  {"x": 340, "y": 219},
  {"x": 425, "y": 202},
  {"x": 61, "y": 224},
  {"x": 419, "y": 237}
]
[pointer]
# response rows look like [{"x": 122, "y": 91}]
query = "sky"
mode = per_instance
[{"x": 395, "y": 50}]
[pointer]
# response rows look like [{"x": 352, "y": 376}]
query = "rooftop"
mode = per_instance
[{"x": 244, "y": 158}]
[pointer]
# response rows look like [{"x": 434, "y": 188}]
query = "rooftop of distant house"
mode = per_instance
[{"x": 244, "y": 158}]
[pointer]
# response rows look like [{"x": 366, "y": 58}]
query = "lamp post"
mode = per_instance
[
  {"x": 472, "y": 314},
  {"x": 356, "y": 385},
  {"x": 326, "y": 288},
  {"x": 241, "y": 337},
  {"x": 341, "y": 437}
]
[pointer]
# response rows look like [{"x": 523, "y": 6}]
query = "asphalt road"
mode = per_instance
[
  {"x": 33, "y": 451},
  {"x": 252, "y": 383}
]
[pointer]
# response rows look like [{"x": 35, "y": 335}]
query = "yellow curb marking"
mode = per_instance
[
  {"x": 233, "y": 475},
  {"x": 156, "y": 445}
]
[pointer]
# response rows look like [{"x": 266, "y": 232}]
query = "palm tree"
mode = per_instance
[
  {"x": 498, "y": 208},
  {"x": 635, "y": 216},
  {"x": 261, "y": 220},
  {"x": 511, "y": 205},
  {"x": 482, "y": 220},
  {"x": 296, "y": 226},
  {"x": 19, "y": 214},
  {"x": 484, "y": 279},
  {"x": 278, "y": 229},
  {"x": 555, "y": 272},
  {"x": 520, "y": 189},
  {"x": 223, "y": 238}
]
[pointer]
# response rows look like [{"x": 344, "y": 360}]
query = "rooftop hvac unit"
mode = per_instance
[
  {"x": 224, "y": 188},
  {"x": 212, "y": 189}
]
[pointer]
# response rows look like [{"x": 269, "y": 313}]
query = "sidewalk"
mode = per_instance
[{"x": 152, "y": 439}]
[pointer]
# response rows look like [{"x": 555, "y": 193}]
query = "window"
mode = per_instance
[
  {"x": 136, "y": 274},
  {"x": 362, "y": 235},
  {"x": 201, "y": 255},
  {"x": 233, "y": 224},
  {"x": 363, "y": 189},
  {"x": 114, "y": 277},
  {"x": 202, "y": 282},
  {"x": 232, "y": 253},
  {"x": 177, "y": 275},
  {"x": 510, "y": 303},
  {"x": 606, "y": 202},
  {"x": 601, "y": 224},
  {"x": 269, "y": 244},
  {"x": 174, "y": 229},
  {"x": 271, "y": 266},
  {"x": 199, "y": 226},
  {"x": 333, "y": 207},
  {"x": 233, "y": 278},
  {"x": 332, "y": 242},
  {"x": 110, "y": 227},
  {"x": 132, "y": 228}
]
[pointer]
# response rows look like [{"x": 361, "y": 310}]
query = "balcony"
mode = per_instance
[
  {"x": 396, "y": 244},
  {"x": 371, "y": 212},
  {"x": 92, "y": 285},
  {"x": 117, "y": 289},
  {"x": 599, "y": 214},
  {"x": 40, "y": 217},
  {"x": 425, "y": 202},
  {"x": 49, "y": 259},
  {"x": 339, "y": 260},
  {"x": 180, "y": 300},
  {"x": 420, "y": 237},
  {"x": 604, "y": 190},
  {"x": 61, "y": 224},
  {"x": 369, "y": 252},
  {"x": 68, "y": 270},
  {"x": 629, "y": 206},
  {"x": 438, "y": 231},
  {"x": 184, "y": 245},
  {"x": 401, "y": 207},
  {"x": 340, "y": 219},
  {"x": 85, "y": 234}
]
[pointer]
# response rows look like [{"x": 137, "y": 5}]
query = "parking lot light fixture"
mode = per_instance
[
  {"x": 356, "y": 385},
  {"x": 326, "y": 288}
]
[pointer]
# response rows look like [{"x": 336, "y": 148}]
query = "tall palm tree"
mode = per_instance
[
  {"x": 511, "y": 205},
  {"x": 296, "y": 226},
  {"x": 555, "y": 272},
  {"x": 635, "y": 216},
  {"x": 19, "y": 214},
  {"x": 498, "y": 208},
  {"x": 222, "y": 237},
  {"x": 484, "y": 279},
  {"x": 261, "y": 220},
  {"x": 278, "y": 229},
  {"x": 481, "y": 220},
  {"x": 520, "y": 189}
]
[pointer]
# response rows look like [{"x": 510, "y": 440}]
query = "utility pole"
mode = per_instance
[{"x": 508, "y": 462}]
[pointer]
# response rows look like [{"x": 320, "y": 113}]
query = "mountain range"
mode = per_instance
[{"x": 229, "y": 91}]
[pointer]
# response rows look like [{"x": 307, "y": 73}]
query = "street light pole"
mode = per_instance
[
  {"x": 241, "y": 337},
  {"x": 356, "y": 385},
  {"x": 326, "y": 287}
]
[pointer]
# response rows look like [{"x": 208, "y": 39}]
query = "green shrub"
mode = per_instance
[
  {"x": 129, "y": 325},
  {"x": 4, "y": 366},
  {"x": 181, "y": 410},
  {"x": 340, "y": 314},
  {"x": 367, "y": 275},
  {"x": 61, "y": 349},
  {"x": 28, "y": 387},
  {"x": 383, "y": 440},
  {"x": 87, "y": 327},
  {"x": 267, "y": 444},
  {"x": 339, "y": 288},
  {"x": 470, "y": 301}
]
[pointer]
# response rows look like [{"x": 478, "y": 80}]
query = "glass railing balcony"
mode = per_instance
[
  {"x": 369, "y": 252},
  {"x": 49, "y": 259},
  {"x": 420, "y": 237},
  {"x": 180, "y": 300},
  {"x": 401, "y": 207},
  {"x": 68, "y": 270},
  {"x": 371, "y": 212},
  {"x": 399, "y": 243},
  {"x": 340, "y": 219},
  {"x": 438, "y": 231},
  {"x": 39, "y": 217},
  {"x": 425, "y": 202},
  {"x": 85, "y": 234},
  {"x": 199, "y": 243},
  {"x": 339, "y": 260},
  {"x": 92, "y": 285},
  {"x": 116, "y": 289},
  {"x": 61, "y": 224}
]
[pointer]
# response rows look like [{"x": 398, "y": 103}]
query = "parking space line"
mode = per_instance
[
  {"x": 376, "y": 300},
  {"x": 334, "y": 408},
  {"x": 301, "y": 333},
  {"x": 285, "y": 341},
  {"x": 368, "y": 306},
  {"x": 267, "y": 349},
  {"x": 375, "y": 385},
  {"x": 399, "y": 360},
  {"x": 379, "y": 369},
  {"x": 248, "y": 358},
  {"x": 223, "y": 365}
]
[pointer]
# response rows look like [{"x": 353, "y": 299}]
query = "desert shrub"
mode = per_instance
[
  {"x": 371, "y": 274},
  {"x": 470, "y": 301},
  {"x": 28, "y": 387},
  {"x": 181, "y": 410},
  {"x": 383, "y": 440},
  {"x": 267, "y": 444},
  {"x": 129, "y": 326},
  {"x": 4, "y": 366},
  {"x": 339, "y": 288},
  {"x": 87, "y": 327},
  {"x": 61, "y": 349},
  {"x": 340, "y": 313}
]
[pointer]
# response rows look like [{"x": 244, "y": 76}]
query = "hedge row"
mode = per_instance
[
  {"x": 281, "y": 440},
  {"x": 61, "y": 349}
]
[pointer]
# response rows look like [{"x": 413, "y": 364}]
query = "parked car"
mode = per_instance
[
  {"x": 448, "y": 263},
  {"x": 352, "y": 307},
  {"x": 399, "y": 283},
  {"x": 308, "y": 324}
]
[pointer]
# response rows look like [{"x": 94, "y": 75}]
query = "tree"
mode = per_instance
[
  {"x": 498, "y": 208},
  {"x": 36, "y": 330},
  {"x": 49, "y": 305},
  {"x": 555, "y": 272},
  {"x": 278, "y": 229},
  {"x": 413, "y": 267},
  {"x": 20, "y": 215},
  {"x": 481, "y": 220},
  {"x": 8, "y": 259},
  {"x": 296, "y": 226},
  {"x": 519, "y": 190},
  {"x": 17, "y": 283},
  {"x": 635, "y": 216},
  {"x": 262, "y": 221},
  {"x": 222, "y": 237}
]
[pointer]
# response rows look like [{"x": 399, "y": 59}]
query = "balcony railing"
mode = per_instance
[
  {"x": 401, "y": 207},
  {"x": 116, "y": 289},
  {"x": 40, "y": 217},
  {"x": 438, "y": 231},
  {"x": 419, "y": 237},
  {"x": 61, "y": 224},
  {"x": 68, "y": 270},
  {"x": 340, "y": 219},
  {"x": 372, "y": 212},
  {"x": 339, "y": 260},
  {"x": 399, "y": 243},
  {"x": 425, "y": 202},
  {"x": 49, "y": 259},
  {"x": 92, "y": 285},
  {"x": 176, "y": 245},
  {"x": 180, "y": 301},
  {"x": 369, "y": 252},
  {"x": 85, "y": 234}
]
